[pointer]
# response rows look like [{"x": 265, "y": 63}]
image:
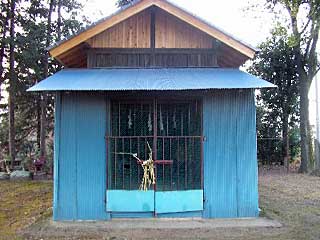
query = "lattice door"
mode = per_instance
[{"x": 176, "y": 141}]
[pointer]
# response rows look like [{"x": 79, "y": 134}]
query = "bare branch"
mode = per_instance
[
  {"x": 313, "y": 52},
  {"x": 306, "y": 54},
  {"x": 305, "y": 26},
  {"x": 317, "y": 70}
]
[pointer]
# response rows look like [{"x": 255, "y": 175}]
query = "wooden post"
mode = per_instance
[{"x": 153, "y": 36}]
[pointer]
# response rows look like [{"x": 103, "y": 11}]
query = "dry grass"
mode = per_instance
[
  {"x": 295, "y": 201},
  {"x": 292, "y": 199},
  {"x": 22, "y": 204}
]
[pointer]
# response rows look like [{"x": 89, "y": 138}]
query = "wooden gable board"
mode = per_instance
[{"x": 141, "y": 6}]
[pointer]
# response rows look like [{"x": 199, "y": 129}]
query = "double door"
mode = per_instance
[{"x": 173, "y": 130}]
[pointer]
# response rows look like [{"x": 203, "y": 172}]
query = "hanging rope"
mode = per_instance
[{"x": 148, "y": 169}]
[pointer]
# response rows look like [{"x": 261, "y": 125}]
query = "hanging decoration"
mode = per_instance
[
  {"x": 148, "y": 172},
  {"x": 149, "y": 120},
  {"x": 129, "y": 119},
  {"x": 148, "y": 169},
  {"x": 174, "y": 119},
  {"x": 161, "y": 120},
  {"x": 189, "y": 119}
]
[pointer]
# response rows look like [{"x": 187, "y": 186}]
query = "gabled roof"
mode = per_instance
[
  {"x": 139, "y": 6},
  {"x": 156, "y": 79}
]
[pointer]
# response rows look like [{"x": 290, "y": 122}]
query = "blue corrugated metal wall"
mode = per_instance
[
  {"x": 80, "y": 160},
  {"x": 230, "y": 164},
  {"x": 247, "y": 168}
]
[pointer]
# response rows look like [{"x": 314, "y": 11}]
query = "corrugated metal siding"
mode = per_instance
[
  {"x": 66, "y": 199},
  {"x": 81, "y": 182},
  {"x": 57, "y": 121},
  {"x": 156, "y": 79},
  {"x": 247, "y": 168},
  {"x": 230, "y": 168}
]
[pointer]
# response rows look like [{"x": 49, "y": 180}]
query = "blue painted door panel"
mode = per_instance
[
  {"x": 179, "y": 201},
  {"x": 160, "y": 202},
  {"x": 130, "y": 201}
]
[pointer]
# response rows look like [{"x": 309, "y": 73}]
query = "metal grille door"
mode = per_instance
[{"x": 174, "y": 132}]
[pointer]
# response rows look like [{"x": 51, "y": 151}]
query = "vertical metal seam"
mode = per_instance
[
  {"x": 253, "y": 103},
  {"x": 237, "y": 148},
  {"x": 202, "y": 142},
  {"x": 57, "y": 133},
  {"x": 108, "y": 130},
  {"x": 76, "y": 101},
  {"x": 59, "y": 151}
]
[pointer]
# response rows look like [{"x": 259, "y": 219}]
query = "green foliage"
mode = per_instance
[
  {"x": 278, "y": 108},
  {"x": 304, "y": 23},
  {"x": 30, "y": 56},
  {"x": 275, "y": 63},
  {"x": 294, "y": 140}
]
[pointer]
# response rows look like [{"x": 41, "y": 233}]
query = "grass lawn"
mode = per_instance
[
  {"x": 292, "y": 199},
  {"x": 22, "y": 204}
]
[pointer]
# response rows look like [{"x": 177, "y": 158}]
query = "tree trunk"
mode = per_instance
[
  {"x": 12, "y": 148},
  {"x": 43, "y": 126},
  {"x": 304, "y": 121},
  {"x": 285, "y": 136},
  {"x": 305, "y": 61},
  {"x": 44, "y": 97},
  {"x": 38, "y": 123},
  {"x": 316, "y": 141},
  {"x": 2, "y": 49},
  {"x": 59, "y": 21},
  {"x": 311, "y": 150}
]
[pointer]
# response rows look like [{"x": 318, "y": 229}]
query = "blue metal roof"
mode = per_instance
[{"x": 149, "y": 79}]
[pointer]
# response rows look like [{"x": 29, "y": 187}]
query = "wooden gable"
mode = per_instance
[
  {"x": 153, "y": 24},
  {"x": 131, "y": 33},
  {"x": 170, "y": 32}
]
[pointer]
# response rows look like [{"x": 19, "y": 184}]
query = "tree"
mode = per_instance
[
  {"x": 44, "y": 98},
  {"x": 122, "y": 3},
  {"x": 4, "y": 20},
  {"x": 12, "y": 83},
  {"x": 32, "y": 64},
  {"x": 276, "y": 63},
  {"x": 304, "y": 39}
]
